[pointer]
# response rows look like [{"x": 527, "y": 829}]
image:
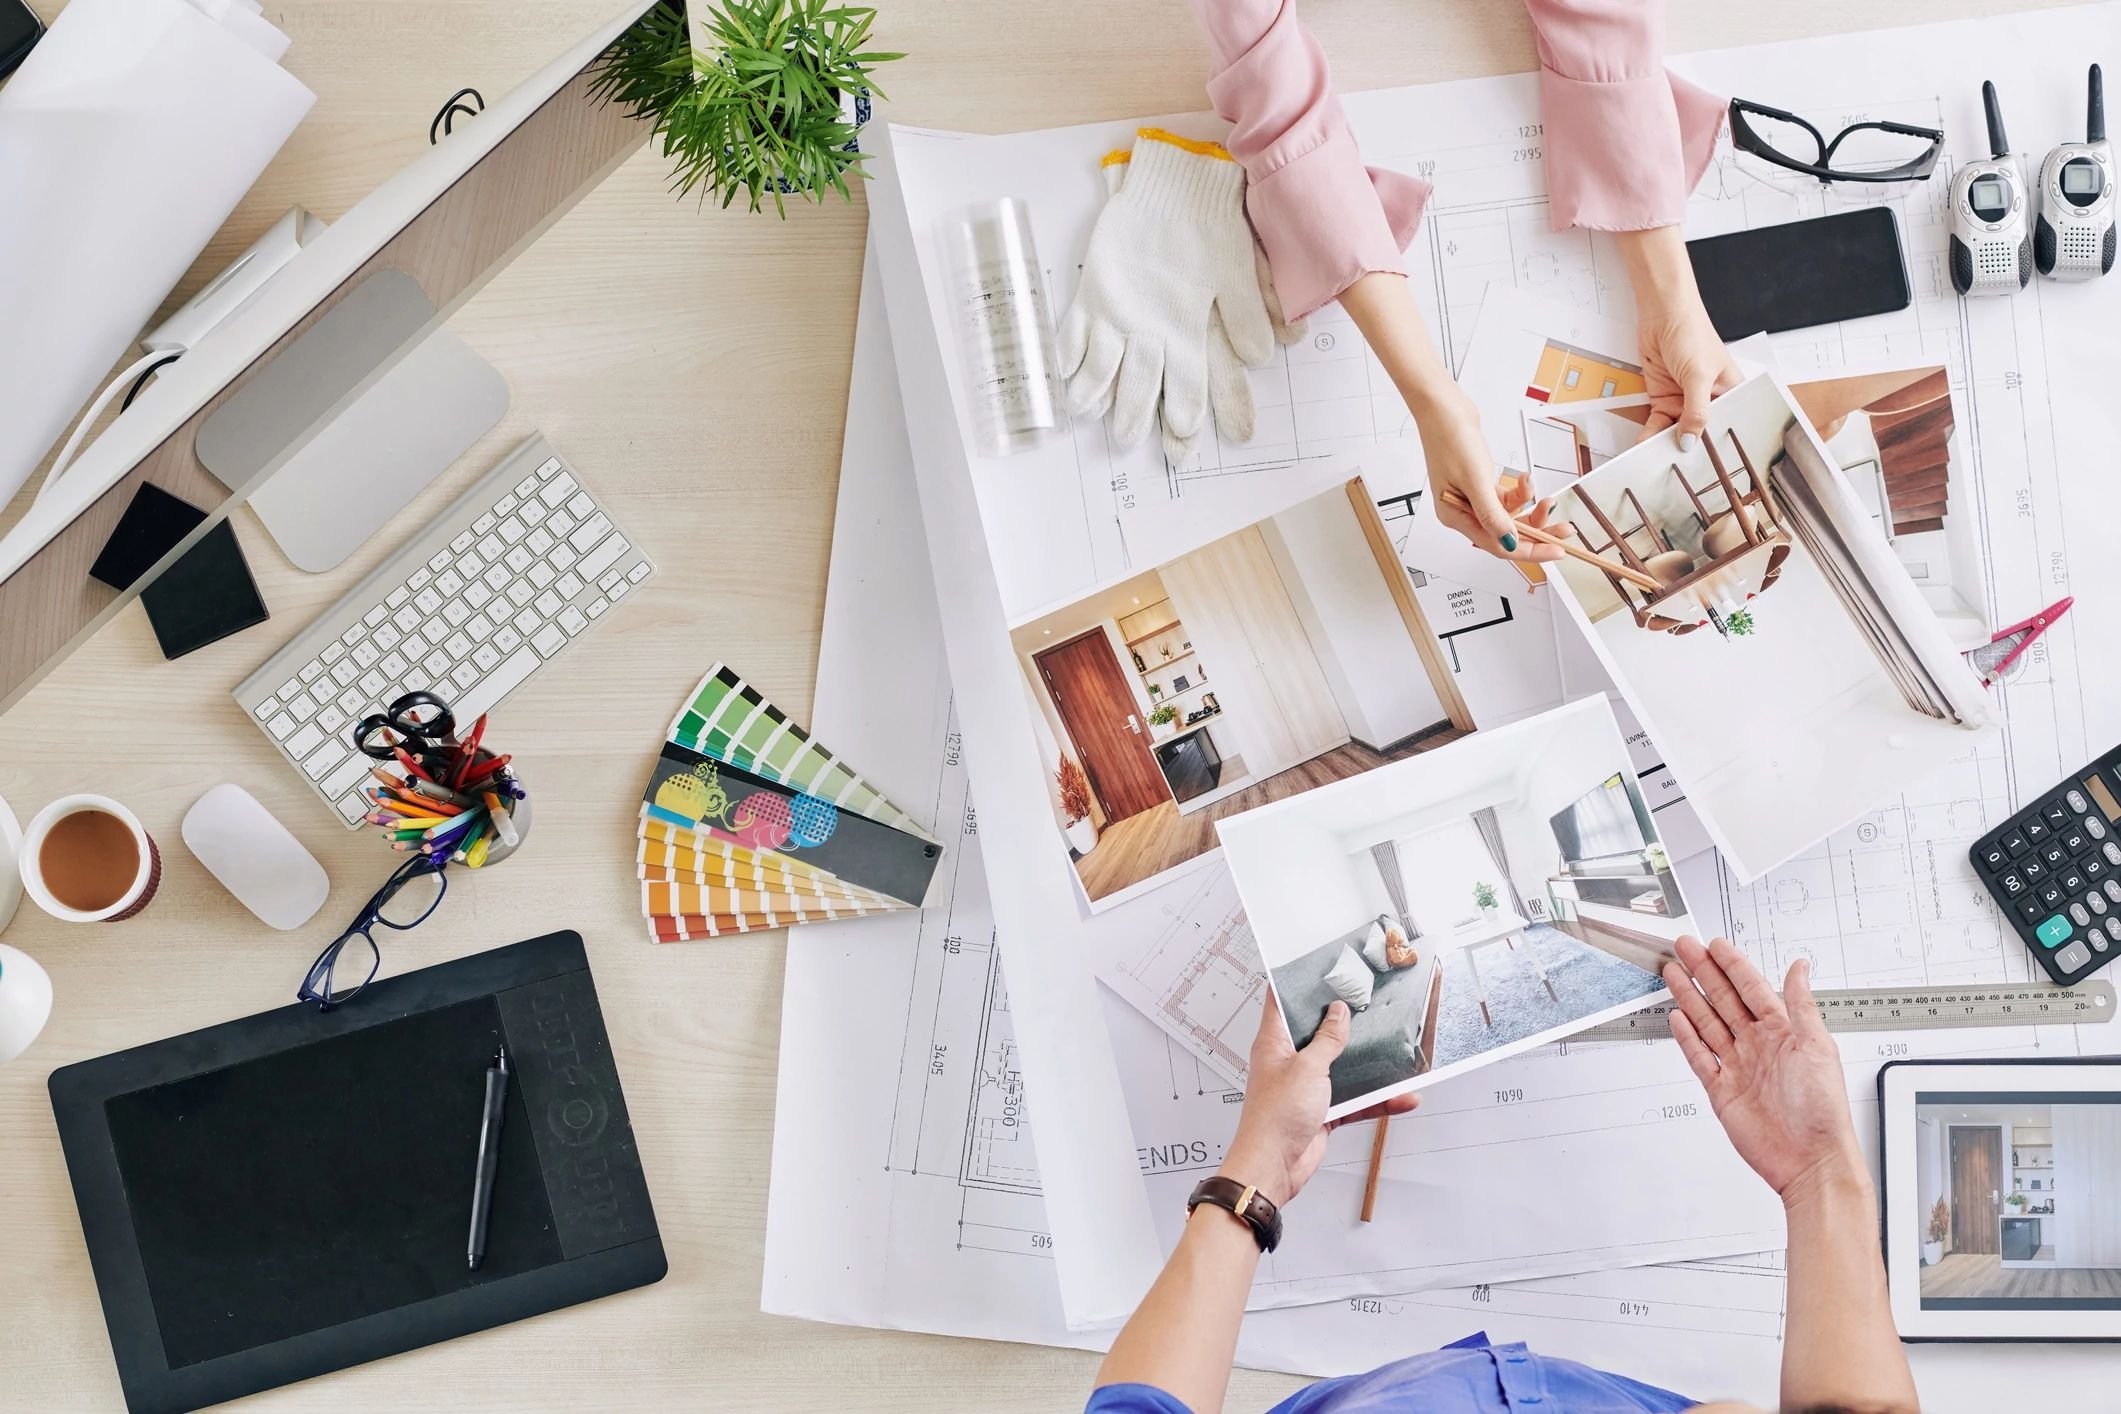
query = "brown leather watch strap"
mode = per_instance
[{"x": 1248, "y": 1203}]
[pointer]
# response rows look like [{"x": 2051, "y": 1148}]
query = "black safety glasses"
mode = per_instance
[{"x": 1860, "y": 152}]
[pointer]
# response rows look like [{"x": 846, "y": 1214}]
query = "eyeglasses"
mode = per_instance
[
  {"x": 404, "y": 902},
  {"x": 1875, "y": 151}
]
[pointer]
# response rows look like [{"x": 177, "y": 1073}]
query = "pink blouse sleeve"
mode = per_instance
[
  {"x": 1626, "y": 141},
  {"x": 1324, "y": 218}
]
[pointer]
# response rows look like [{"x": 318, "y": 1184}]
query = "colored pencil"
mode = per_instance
[
  {"x": 483, "y": 770},
  {"x": 465, "y": 841},
  {"x": 405, "y": 760},
  {"x": 456, "y": 823},
  {"x": 469, "y": 751}
]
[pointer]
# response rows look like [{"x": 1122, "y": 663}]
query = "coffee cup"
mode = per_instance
[{"x": 87, "y": 859}]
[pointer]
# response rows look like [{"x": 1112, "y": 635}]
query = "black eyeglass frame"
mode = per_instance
[
  {"x": 317, "y": 982},
  {"x": 1745, "y": 139}
]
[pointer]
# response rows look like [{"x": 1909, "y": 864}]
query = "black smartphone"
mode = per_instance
[
  {"x": 1802, "y": 273},
  {"x": 19, "y": 32}
]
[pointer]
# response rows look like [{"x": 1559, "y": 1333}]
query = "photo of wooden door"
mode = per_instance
[
  {"x": 1977, "y": 1189},
  {"x": 1230, "y": 596},
  {"x": 1104, "y": 721}
]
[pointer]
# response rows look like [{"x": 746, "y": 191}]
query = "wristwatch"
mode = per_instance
[{"x": 1250, "y": 1205}]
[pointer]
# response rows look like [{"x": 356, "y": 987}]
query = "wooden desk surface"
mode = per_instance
[{"x": 689, "y": 361}]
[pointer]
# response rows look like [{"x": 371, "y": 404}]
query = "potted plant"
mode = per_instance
[
  {"x": 1940, "y": 1224},
  {"x": 1739, "y": 623},
  {"x": 1075, "y": 806},
  {"x": 2015, "y": 1200},
  {"x": 1163, "y": 721},
  {"x": 774, "y": 105},
  {"x": 1484, "y": 896}
]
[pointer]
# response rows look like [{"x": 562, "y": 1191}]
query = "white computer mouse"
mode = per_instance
[{"x": 255, "y": 857}]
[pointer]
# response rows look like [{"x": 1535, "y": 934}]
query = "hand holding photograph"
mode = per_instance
[
  {"x": 1467, "y": 904},
  {"x": 1792, "y": 673}
]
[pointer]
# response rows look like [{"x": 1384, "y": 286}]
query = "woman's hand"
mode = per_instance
[
  {"x": 1470, "y": 497},
  {"x": 1282, "y": 1134},
  {"x": 1772, "y": 1072},
  {"x": 1683, "y": 359}
]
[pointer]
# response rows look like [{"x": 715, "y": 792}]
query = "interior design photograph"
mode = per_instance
[
  {"x": 2019, "y": 1202},
  {"x": 1287, "y": 655},
  {"x": 1743, "y": 598},
  {"x": 1469, "y": 903}
]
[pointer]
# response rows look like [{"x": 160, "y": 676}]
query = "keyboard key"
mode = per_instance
[
  {"x": 398, "y": 596},
  {"x": 2072, "y": 881},
  {"x": 528, "y": 486},
  {"x": 562, "y": 557},
  {"x": 2098, "y": 938},
  {"x": 470, "y": 563},
  {"x": 2112, "y": 852},
  {"x": 407, "y": 618},
  {"x": 520, "y": 559},
  {"x": 640, "y": 572},
  {"x": 497, "y": 579},
  {"x": 2033, "y": 869},
  {"x": 2073, "y": 957},
  {"x": 2031, "y": 909},
  {"x": 394, "y": 666},
  {"x": 2055, "y": 815},
  {"x": 2093, "y": 866},
  {"x": 288, "y": 689},
  {"x": 353, "y": 702},
  {"x": 526, "y": 623},
  {"x": 2074, "y": 841},
  {"x": 372, "y": 683},
  {"x": 449, "y": 584},
  {"x": 331, "y": 719},
  {"x": 477, "y": 594},
  {"x": 2112, "y": 889},
  {"x": 581, "y": 505},
  {"x": 506, "y": 504},
  {"x": 557, "y": 489},
  {"x": 375, "y": 616},
  {"x": 512, "y": 530},
  {"x": 485, "y": 656},
  {"x": 611, "y": 581},
  {"x": 618, "y": 590},
  {"x": 427, "y": 601},
  {"x": 542, "y": 574},
  {"x": 547, "y": 604},
  {"x": 492, "y": 549},
  {"x": 2014, "y": 844},
  {"x": 266, "y": 708},
  {"x": 589, "y": 532},
  {"x": 539, "y": 542},
  {"x": 479, "y": 700},
  {"x": 464, "y": 677},
  {"x": 2081, "y": 914},
  {"x": 505, "y": 639},
  {"x": 2053, "y": 932},
  {"x": 2113, "y": 927},
  {"x": 2096, "y": 902},
  {"x": 282, "y": 726},
  {"x": 2054, "y": 855},
  {"x": 458, "y": 646},
  {"x": 549, "y": 640},
  {"x": 462, "y": 542},
  {"x": 302, "y": 706},
  {"x": 2048, "y": 894},
  {"x": 479, "y": 627},
  {"x": 354, "y": 806},
  {"x": 521, "y": 593},
  {"x": 573, "y": 620},
  {"x": 485, "y": 523},
  {"x": 2035, "y": 831},
  {"x": 598, "y": 606},
  {"x": 437, "y": 663},
  {"x": 559, "y": 522},
  {"x": 366, "y": 655},
  {"x": 420, "y": 579},
  {"x": 602, "y": 558},
  {"x": 532, "y": 511},
  {"x": 345, "y": 672},
  {"x": 333, "y": 652},
  {"x": 328, "y": 758},
  {"x": 2076, "y": 800},
  {"x": 455, "y": 612},
  {"x": 312, "y": 672},
  {"x": 439, "y": 561},
  {"x": 415, "y": 645},
  {"x": 2094, "y": 827},
  {"x": 304, "y": 741},
  {"x": 569, "y": 586}
]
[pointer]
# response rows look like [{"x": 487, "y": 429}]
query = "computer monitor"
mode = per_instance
[{"x": 449, "y": 220}]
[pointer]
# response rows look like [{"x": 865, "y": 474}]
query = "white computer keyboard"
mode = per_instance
[{"x": 494, "y": 588}]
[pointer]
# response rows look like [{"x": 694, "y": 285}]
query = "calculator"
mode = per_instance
[{"x": 2055, "y": 871}]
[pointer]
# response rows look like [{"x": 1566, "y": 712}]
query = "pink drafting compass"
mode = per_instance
[{"x": 2006, "y": 647}]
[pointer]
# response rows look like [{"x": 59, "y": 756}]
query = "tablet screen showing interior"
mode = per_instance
[
  {"x": 325, "y": 1183},
  {"x": 2003, "y": 1214}
]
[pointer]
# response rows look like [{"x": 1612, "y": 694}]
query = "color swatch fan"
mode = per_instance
[{"x": 748, "y": 823}]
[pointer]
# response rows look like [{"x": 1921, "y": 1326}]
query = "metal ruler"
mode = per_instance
[{"x": 1911, "y": 1009}]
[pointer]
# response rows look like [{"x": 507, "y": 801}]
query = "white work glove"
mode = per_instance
[{"x": 1173, "y": 303}]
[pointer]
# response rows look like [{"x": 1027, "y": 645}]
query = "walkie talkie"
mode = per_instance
[
  {"x": 1992, "y": 242},
  {"x": 2073, "y": 237}
]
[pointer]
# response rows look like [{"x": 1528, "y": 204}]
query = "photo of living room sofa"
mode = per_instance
[{"x": 1471, "y": 902}]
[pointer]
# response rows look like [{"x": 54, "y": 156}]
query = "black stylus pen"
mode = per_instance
[{"x": 489, "y": 1156}]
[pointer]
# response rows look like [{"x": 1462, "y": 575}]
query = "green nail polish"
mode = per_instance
[{"x": 1509, "y": 543}]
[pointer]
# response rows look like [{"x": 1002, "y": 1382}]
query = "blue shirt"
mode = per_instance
[{"x": 1466, "y": 1377}]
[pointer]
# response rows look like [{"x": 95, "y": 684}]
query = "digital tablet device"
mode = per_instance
[
  {"x": 2001, "y": 1198},
  {"x": 291, "y": 1193}
]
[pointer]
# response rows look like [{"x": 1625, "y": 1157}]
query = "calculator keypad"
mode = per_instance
[{"x": 2054, "y": 869}]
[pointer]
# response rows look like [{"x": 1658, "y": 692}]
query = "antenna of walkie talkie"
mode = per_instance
[
  {"x": 2095, "y": 108},
  {"x": 1998, "y": 144}
]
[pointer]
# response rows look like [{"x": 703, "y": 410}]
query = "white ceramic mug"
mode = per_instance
[
  {"x": 25, "y": 1001},
  {"x": 146, "y": 878}
]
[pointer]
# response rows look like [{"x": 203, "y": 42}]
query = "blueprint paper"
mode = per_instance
[
  {"x": 906, "y": 1199},
  {"x": 1897, "y": 878},
  {"x": 126, "y": 138}
]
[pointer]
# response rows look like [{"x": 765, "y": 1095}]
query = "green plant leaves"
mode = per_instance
[{"x": 761, "y": 111}]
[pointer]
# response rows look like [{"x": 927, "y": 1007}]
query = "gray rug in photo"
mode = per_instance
[{"x": 1585, "y": 981}]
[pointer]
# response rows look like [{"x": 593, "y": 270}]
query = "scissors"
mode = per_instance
[
  {"x": 423, "y": 724},
  {"x": 2010, "y": 644}
]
